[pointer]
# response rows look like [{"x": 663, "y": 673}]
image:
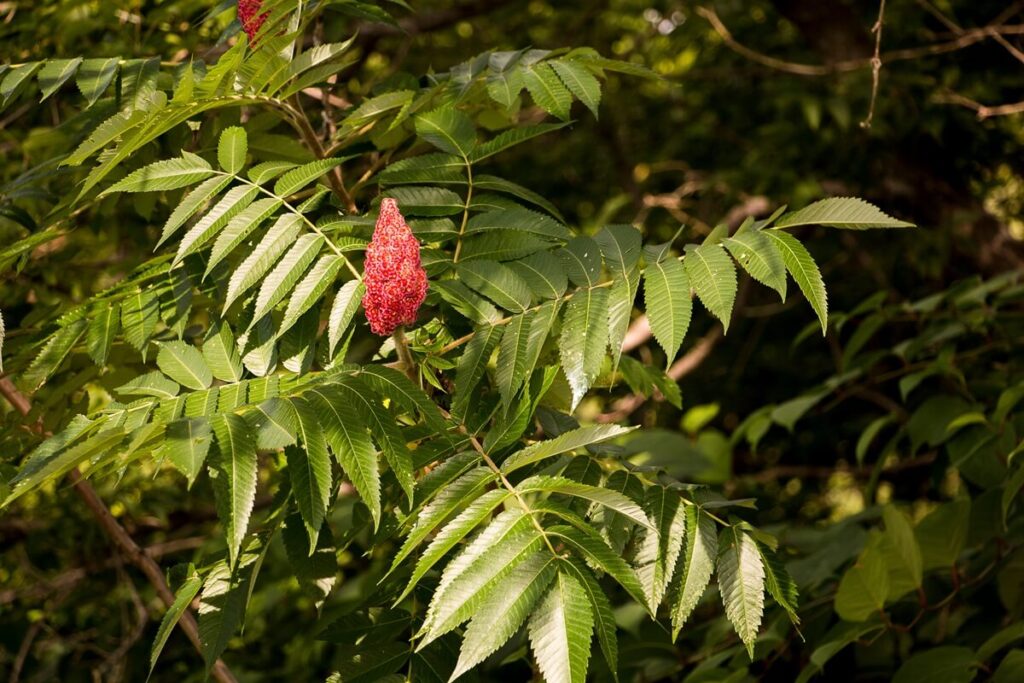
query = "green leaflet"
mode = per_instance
[
  {"x": 275, "y": 423},
  {"x": 544, "y": 273},
  {"x": 504, "y": 612},
  {"x": 234, "y": 478},
  {"x": 581, "y": 258},
  {"x": 285, "y": 275},
  {"x": 221, "y": 353},
  {"x": 95, "y": 76},
  {"x": 310, "y": 290},
  {"x": 456, "y": 530},
  {"x": 55, "y": 73},
  {"x": 52, "y": 464},
  {"x": 426, "y": 201},
  {"x": 668, "y": 303},
  {"x": 150, "y": 384},
  {"x": 298, "y": 178},
  {"x": 223, "y": 602},
  {"x": 274, "y": 243},
  {"x": 435, "y": 169},
  {"x": 103, "y": 329},
  {"x": 801, "y": 266},
  {"x": 139, "y": 315},
  {"x": 698, "y": 564},
  {"x": 52, "y": 355},
  {"x": 184, "y": 364},
  {"x": 498, "y": 283},
  {"x": 232, "y": 149},
  {"x": 309, "y": 467},
  {"x": 497, "y": 184},
  {"x": 621, "y": 247},
  {"x": 841, "y": 212},
  {"x": 560, "y": 631},
  {"x": 233, "y": 203},
  {"x": 165, "y": 175},
  {"x": 400, "y": 389},
  {"x": 472, "y": 365},
  {"x": 512, "y": 137},
  {"x": 448, "y": 129},
  {"x": 513, "y": 350},
  {"x": 346, "y": 302},
  {"x": 589, "y": 545},
  {"x": 563, "y": 443},
  {"x": 606, "y": 497},
  {"x": 15, "y": 80},
  {"x": 604, "y": 618},
  {"x": 504, "y": 87},
  {"x": 547, "y": 90},
  {"x": 346, "y": 433},
  {"x": 584, "y": 339},
  {"x": 186, "y": 445},
  {"x": 779, "y": 584},
  {"x": 658, "y": 553},
  {"x": 182, "y": 599},
  {"x": 760, "y": 258},
  {"x": 467, "y": 302},
  {"x": 191, "y": 204},
  {"x": 455, "y": 495},
  {"x": 478, "y": 570},
  {"x": 580, "y": 83},
  {"x": 384, "y": 429},
  {"x": 741, "y": 583},
  {"x": 519, "y": 220},
  {"x": 713, "y": 277}
]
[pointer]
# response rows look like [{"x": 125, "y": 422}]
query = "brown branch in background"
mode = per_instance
[
  {"x": 983, "y": 111},
  {"x": 23, "y": 650},
  {"x": 691, "y": 360},
  {"x": 312, "y": 140},
  {"x": 122, "y": 540},
  {"x": 967, "y": 38},
  {"x": 876, "y": 64},
  {"x": 826, "y": 471}
]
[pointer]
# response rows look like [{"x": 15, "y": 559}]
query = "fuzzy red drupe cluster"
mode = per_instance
[
  {"x": 395, "y": 281},
  {"x": 250, "y": 16}
]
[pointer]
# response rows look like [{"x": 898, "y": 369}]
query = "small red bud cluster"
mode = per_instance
[
  {"x": 394, "y": 278},
  {"x": 249, "y": 15}
]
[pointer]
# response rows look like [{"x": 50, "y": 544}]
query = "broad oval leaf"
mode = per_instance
[
  {"x": 184, "y": 364},
  {"x": 232, "y": 148}
]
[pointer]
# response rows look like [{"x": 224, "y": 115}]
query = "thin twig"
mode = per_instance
[
  {"x": 312, "y": 140},
  {"x": 505, "y": 482},
  {"x": 26, "y": 646},
  {"x": 876, "y": 64},
  {"x": 966, "y": 39}
]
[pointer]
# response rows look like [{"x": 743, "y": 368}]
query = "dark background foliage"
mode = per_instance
[{"x": 721, "y": 136}]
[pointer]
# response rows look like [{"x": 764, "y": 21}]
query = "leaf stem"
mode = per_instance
[
  {"x": 505, "y": 482},
  {"x": 404, "y": 354},
  {"x": 309, "y": 136},
  {"x": 465, "y": 211}
]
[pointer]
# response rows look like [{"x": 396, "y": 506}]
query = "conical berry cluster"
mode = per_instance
[
  {"x": 250, "y": 17},
  {"x": 395, "y": 281}
]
